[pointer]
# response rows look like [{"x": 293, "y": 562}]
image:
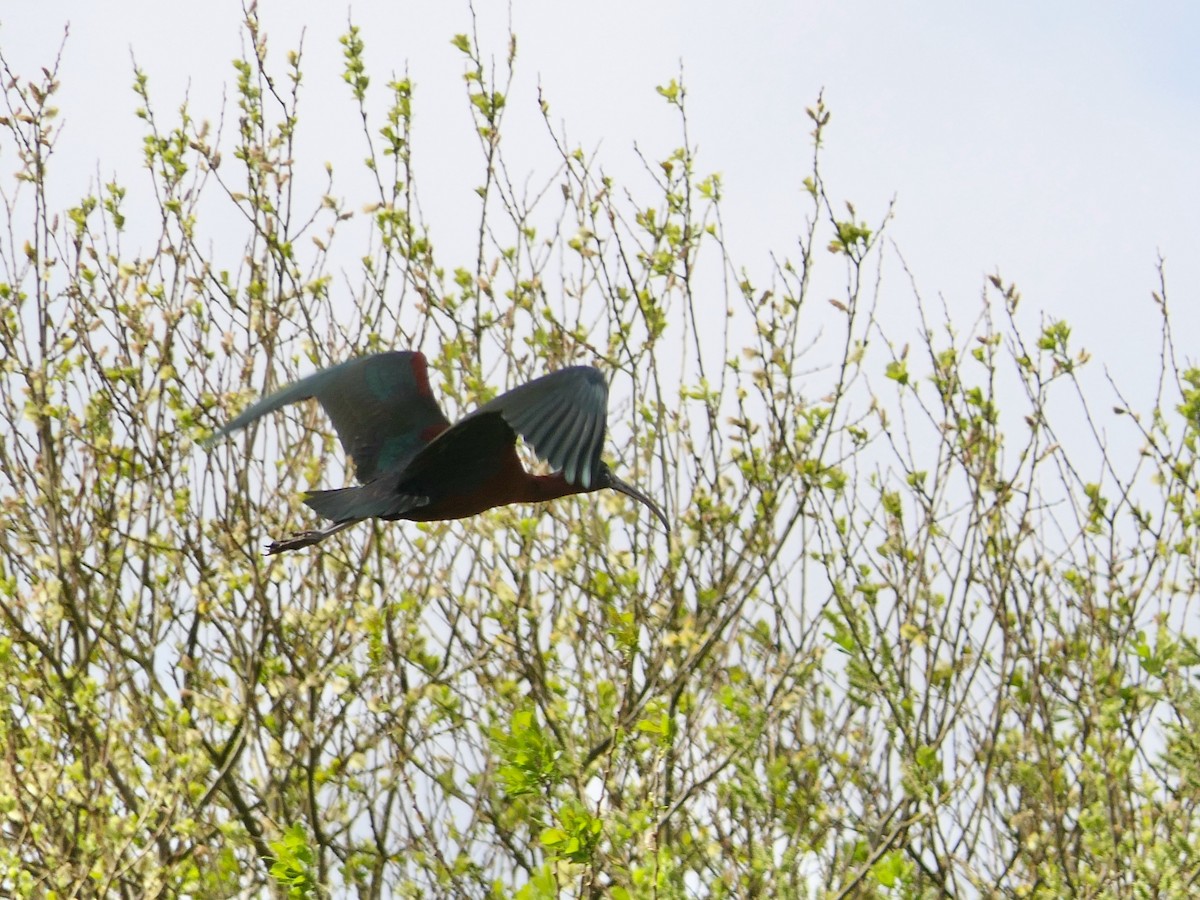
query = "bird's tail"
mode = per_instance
[{"x": 377, "y": 499}]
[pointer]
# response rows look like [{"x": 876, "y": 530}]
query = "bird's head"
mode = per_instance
[{"x": 607, "y": 479}]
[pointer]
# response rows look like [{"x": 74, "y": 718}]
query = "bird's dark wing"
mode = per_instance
[
  {"x": 460, "y": 461},
  {"x": 562, "y": 417},
  {"x": 380, "y": 405}
]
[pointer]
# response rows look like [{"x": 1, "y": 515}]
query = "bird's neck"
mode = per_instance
[{"x": 539, "y": 488}]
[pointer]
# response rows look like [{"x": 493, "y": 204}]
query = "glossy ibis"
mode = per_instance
[{"x": 413, "y": 464}]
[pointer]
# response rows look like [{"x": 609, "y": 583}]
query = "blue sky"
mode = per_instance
[{"x": 1056, "y": 143}]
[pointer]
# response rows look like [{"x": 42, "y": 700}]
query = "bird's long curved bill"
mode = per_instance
[{"x": 630, "y": 491}]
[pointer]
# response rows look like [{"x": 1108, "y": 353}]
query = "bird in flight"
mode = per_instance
[{"x": 413, "y": 464}]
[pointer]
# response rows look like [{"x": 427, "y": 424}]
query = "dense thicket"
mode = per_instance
[{"x": 916, "y": 632}]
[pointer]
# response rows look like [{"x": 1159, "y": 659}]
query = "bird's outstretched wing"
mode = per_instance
[
  {"x": 380, "y": 406},
  {"x": 562, "y": 417}
]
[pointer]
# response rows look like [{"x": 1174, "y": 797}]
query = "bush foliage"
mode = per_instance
[{"x": 917, "y": 631}]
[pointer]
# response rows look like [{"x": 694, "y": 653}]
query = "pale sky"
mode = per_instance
[{"x": 1058, "y": 143}]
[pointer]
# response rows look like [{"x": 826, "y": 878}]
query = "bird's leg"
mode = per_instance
[{"x": 307, "y": 538}]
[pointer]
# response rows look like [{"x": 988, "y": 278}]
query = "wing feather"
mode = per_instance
[
  {"x": 561, "y": 416},
  {"x": 380, "y": 406}
]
